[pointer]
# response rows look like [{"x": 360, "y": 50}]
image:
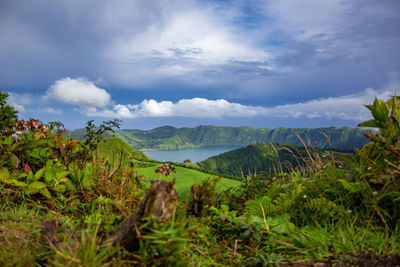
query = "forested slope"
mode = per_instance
[
  {"x": 256, "y": 158},
  {"x": 168, "y": 137}
]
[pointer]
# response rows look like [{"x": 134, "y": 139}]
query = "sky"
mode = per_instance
[{"x": 259, "y": 63}]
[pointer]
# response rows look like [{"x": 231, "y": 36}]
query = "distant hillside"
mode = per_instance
[
  {"x": 254, "y": 158},
  {"x": 113, "y": 146},
  {"x": 168, "y": 137}
]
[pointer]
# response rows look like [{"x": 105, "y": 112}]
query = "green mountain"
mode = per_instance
[
  {"x": 254, "y": 158},
  {"x": 168, "y": 137},
  {"x": 113, "y": 146}
]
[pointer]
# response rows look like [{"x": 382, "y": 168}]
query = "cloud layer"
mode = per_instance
[
  {"x": 78, "y": 91},
  {"x": 96, "y": 102},
  {"x": 194, "y": 108},
  {"x": 350, "y": 108},
  {"x": 253, "y": 48},
  {"x": 284, "y": 59}
]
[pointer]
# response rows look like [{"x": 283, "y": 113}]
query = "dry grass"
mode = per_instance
[
  {"x": 21, "y": 241},
  {"x": 309, "y": 159}
]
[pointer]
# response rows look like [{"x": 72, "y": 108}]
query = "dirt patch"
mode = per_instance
[{"x": 365, "y": 259}]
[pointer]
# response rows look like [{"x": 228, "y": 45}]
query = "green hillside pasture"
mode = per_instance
[
  {"x": 185, "y": 178},
  {"x": 114, "y": 147}
]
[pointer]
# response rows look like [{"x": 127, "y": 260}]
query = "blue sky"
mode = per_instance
[{"x": 265, "y": 64}]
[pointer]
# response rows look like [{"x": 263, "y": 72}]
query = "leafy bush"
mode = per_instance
[{"x": 378, "y": 162}]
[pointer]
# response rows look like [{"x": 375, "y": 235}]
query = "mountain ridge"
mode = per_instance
[{"x": 169, "y": 137}]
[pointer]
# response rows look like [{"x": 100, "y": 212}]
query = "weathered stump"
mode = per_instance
[
  {"x": 49, "y": 229},
  {"x": 201, "y": 196},
  {"x": 159, "y": 201},
  {"x": 195, "y": 206}
]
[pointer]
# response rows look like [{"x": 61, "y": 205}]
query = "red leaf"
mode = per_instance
[{"x": 27, "y": 169}]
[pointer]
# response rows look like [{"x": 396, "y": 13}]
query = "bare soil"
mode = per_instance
[{"x": 366, "y": 259}]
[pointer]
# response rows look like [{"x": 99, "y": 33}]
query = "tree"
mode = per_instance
[{"x": 8, "y": 114}]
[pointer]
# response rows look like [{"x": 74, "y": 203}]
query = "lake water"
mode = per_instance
[{"x": 194, "y": 154}]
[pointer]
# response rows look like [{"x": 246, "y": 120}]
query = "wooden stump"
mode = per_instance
[
  {"x": 202, "y": 195},
  {"x": 49, "y": 229},
  {"x": 159, "y": 201},
  {"x": 196, "y": 205}
]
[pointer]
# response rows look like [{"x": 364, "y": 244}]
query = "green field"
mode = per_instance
[{"x": 185, "y": 178}]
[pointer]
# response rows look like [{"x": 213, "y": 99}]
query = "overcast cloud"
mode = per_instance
[
  {"x": 349, "y": 107},
  {"x": 229, "y": 55}
]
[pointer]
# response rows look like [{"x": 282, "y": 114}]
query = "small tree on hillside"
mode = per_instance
[{"x": 8, "y": 114}]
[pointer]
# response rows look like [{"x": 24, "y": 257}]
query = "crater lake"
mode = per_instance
[{"x": 193, "y": 154}]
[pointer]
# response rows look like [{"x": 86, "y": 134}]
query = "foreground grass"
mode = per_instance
[
  {"x": 185, "y": 178},
  {"x": 219, "y": 238}
]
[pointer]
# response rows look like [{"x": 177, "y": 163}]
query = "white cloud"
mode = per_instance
[
  {"x": 349, "y": 107},
  {"x": 23, "y": 104},
  {"x": 79, "y": 91},
  {"x": 49, "y": 111},
  {"x": 194, "y": 35},
  {"x": 189, "y": 41},
  {"x": 195, "y": 108},
  {"x": 19, "y": 101}
]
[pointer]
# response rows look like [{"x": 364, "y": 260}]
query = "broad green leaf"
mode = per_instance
[
  {"x": 36, "y": 153},
  {"x": 49, "y": 163},
  {"x": 18, "y": 174},
  {"x": 380, "y": 112},
  {"x": 72, "y": 166},
  {"x": 30, "y": 177},
  {"x": 60, "y": 188},
  {"x": 35, "y": 187},
  {"x": 60, "y": 167},
  {"x": 45, "y": 192},
  {"x": 8, "y": 141},
  {"x": 395, "y": 114},
  {"x": 4, "y": 175},
  {"x": 43, "y": 152},
  {"x": 18, "y": 183},
  {"x": 74, "y": 177},
  {"x": 61, "y": 180},
  {"x": 39, "y": 173},
  {"x": 50, "y": 175},
  {"x": 69, "y": 185},
  {"x": 62, "y": 174},
  {"x": 281, "y": 224},
  {"x": 5, "y": 178},
  {"x": 87, "y": 182},
  {"x": 30, "y": 137},
  {"x": 88, "y": 170},
  {"x": 370, "y": 123}
]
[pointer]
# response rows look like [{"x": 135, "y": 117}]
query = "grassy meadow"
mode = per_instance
[{"x": 185, "y": 178}]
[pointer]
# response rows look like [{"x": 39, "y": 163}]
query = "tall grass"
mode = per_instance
[{"x": 309, "y": 159}]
